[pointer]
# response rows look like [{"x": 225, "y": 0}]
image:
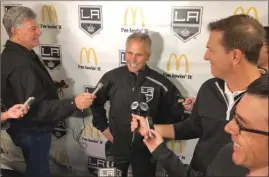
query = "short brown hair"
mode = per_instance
[{"x": 241, "y": 32}]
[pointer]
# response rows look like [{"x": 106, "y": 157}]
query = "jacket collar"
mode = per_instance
[
  {"x": 136, "y": 79},
  {"x": 18, "y": 47},
  {"x": 222, "y": 83},
  {"x": 33, "y": 57}
]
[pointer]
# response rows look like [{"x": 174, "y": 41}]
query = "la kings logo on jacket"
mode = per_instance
[{"x": 149, "y": 93}]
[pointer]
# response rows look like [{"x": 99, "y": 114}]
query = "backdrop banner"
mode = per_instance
[{"x": 82, "y": 40}]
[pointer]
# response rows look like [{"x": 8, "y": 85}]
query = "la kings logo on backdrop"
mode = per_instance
[
  {"x": 148, "y": 92},
  {"x": 9, "y": 6},
  {"x": 88, "y": 88},
  {"x": 51, "y": 56},
  {"x": 122, "y": 60},
  {"x": 90, "y": 19},
  {"x": 60, "y": 130},
  {"x": 186, "y": 22}
]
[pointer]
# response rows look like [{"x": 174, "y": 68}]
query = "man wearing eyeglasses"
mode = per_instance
[
  {"x": 233, "y": 51},
  {"x": 249, "y": 129},
  {"x": 246, "y": 156}
]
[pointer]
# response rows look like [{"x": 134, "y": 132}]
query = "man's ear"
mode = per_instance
[
  {"x": 148, "y": 56},
  {"x": 14, "y": 31},
  {"x": 237, "y": 56}
]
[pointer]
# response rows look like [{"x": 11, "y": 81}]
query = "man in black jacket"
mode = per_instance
[
  {"x": 23, "y": 75},
  {"x": 233, "y": 50},
  {"x": 247, "y": 155},
  {"x": 123, "y": 86}
]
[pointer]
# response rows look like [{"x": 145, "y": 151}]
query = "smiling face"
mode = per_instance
[
  {"x": 27, "y": 34},
  {"x": 137, "y": 54},
  {"x": 250, "y": 149},
  {"x": 220, "y": 60}
]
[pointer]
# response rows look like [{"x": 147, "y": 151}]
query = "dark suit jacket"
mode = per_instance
[{"x": 23, "y": 75}]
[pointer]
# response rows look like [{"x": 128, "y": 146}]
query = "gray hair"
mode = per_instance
[
  {"x": 140, "y": 36},
  {"x": 15, "y": 17}
]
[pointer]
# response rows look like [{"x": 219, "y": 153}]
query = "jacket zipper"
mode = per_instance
[
  {"x": 227, "y": 104},
  {"x": 229, "y": 107}
]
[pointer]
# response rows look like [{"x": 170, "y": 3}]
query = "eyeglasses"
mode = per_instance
[{"x": 243, "y": 128}]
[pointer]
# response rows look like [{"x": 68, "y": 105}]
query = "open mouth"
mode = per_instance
[
  {"x": 236, "y": 147},
  {"x": 134, "y": 65}
]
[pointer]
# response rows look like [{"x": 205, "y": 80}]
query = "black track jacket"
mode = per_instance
[
  {"x": 207, "y": 122},
  {"x": 121, "y": 88}
]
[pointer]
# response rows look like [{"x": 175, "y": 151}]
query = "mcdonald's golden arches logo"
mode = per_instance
[
  {"x": 51, "y": 14},
  {"x": 252, "y": 11},
  {"x": 178, "y": 59},
  {"x": 88, "y": 55},
  {"x": 176, "y": 146},
  {"x": 61, "y": 156},
  {"x": 134, "y": 12},
  {"x": 90, "y": 131}
]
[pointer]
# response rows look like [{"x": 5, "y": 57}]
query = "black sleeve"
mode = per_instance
[
  {"x": 171, "y": 164},
  {"x": 170, "y": 110},
  {"x": 4, "y": 124},
  {"x": 190, "y": 128},
  {"x": 100, "y": 120},
  {"x": 25, "y": 84},
  {"x": 223, "y": 164}
]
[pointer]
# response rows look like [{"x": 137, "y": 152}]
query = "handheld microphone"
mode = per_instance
[
  {"x": 98, "y": 87},
  {"x": 135, "y": 110},
  {"x": 134, "y": 107},
  {"x": 139, "y": 108},
  {"x": 144, "y": 108}
]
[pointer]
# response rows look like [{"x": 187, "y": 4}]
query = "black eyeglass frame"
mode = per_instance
[{"x": 242, "y": 128}]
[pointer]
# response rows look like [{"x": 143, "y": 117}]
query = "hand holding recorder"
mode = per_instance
[
  {"x": 15, "y": 112},
  {"x": 151, "y": 138},
  {"x": 139, "y": 123}
]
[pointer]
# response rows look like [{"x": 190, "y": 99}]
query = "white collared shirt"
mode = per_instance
[
  {"x": 230, "y": 99},
  {"x": 230, "y": 95}
]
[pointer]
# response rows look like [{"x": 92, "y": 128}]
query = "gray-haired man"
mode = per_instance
[
  {"x": 126, "y": 85},
  {"x": 23, "y": 75}
]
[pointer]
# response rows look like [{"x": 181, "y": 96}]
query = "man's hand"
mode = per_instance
[
  {"x": 84, "y": 100},
  {"x": 153, "y": 143},
  {"x": 187, "y": 103},
  {"x": 14, "y": 112},
  {"x": 142, "y": 128},
  {"x": 108, "y": 135}
]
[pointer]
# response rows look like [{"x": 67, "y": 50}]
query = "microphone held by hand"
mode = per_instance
[
  {"x": 98, "y": 87},
  {"x": 139, "y": 108}
]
